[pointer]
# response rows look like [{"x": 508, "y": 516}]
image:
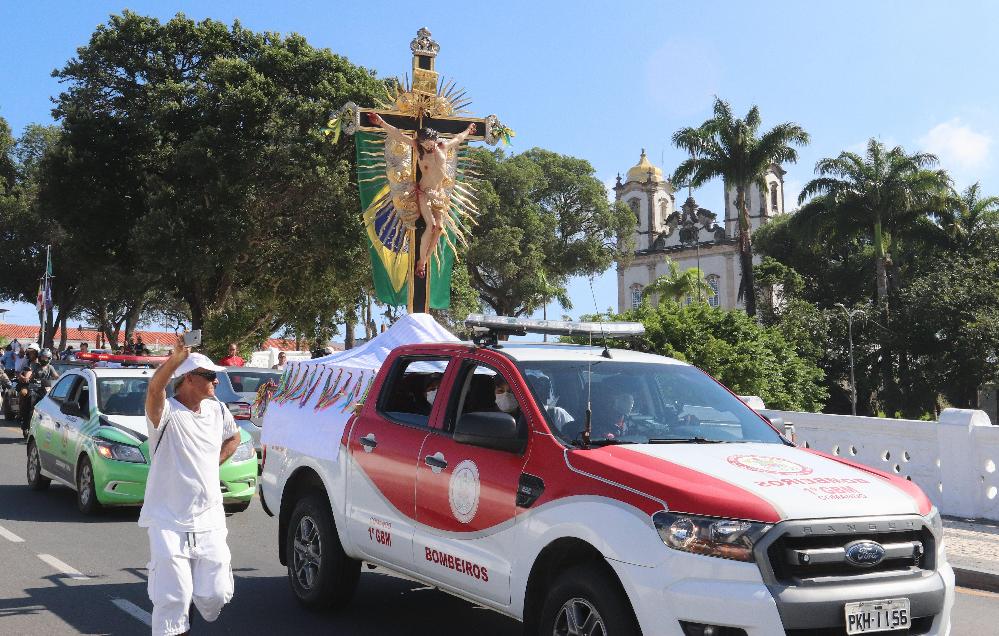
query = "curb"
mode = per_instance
[{"x": 976, "y": 579}]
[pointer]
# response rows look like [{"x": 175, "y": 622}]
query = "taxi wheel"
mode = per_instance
[
  {"x": 86, "y": 488},
  {"x": 321, "y": 574},
  {"x": 36, "y": 480},
  {"x": 587, "y": 600}
]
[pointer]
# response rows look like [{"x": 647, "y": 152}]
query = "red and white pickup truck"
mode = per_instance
[{"x": 683, "y": 513}]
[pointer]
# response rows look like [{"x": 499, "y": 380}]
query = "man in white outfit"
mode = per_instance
[{"x": 190, "y": 435}]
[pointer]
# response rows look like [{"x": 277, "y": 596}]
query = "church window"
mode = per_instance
[
  {"x": 715, "y": 285},
  {"x": 636, "y": 296},
  {"x": 633, "y": 204},
  {"x": 773, "y": 197}
]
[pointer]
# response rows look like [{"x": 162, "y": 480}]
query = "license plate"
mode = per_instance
[{"x": 888, "y": 615}]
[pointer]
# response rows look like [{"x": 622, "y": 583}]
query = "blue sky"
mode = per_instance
[{"x": 601, "y": 80}]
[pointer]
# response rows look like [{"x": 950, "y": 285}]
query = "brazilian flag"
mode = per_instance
[{"x": 392, "y": 254}]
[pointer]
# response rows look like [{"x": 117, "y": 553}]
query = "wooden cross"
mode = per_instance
[{"x": 425, "y": 80}]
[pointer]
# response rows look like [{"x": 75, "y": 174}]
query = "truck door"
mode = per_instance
[
  {"x": 385, "y": 445},
  {"x": 466, "y": 495}
]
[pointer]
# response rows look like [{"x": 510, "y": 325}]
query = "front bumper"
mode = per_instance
[
  {"x": 119, "y": 483},
  {"x": 238, "y": 481},
  {"x": 124, "y": 484},
  {"x": 714, "y": 591}
]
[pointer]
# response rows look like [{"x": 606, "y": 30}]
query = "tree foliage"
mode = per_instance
[
  {"x": 193, "y": 159},
  {"x": 544, "y": 218},
  {"x": 748, "y": 358},
  {"x": 731, "y": 148},
  {"x": 676, "y": 285}
]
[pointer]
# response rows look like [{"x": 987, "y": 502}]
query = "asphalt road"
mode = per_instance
[{"x": 63, "y": 573}]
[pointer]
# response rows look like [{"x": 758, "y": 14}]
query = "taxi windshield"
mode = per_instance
[
  {"x": 641, "y": 403},
  {"x": 122, "y": 396}
]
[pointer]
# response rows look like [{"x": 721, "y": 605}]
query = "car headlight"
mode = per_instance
[
  {"x": 243, "y": 452},
  {"x": 120, "y": 452},
  {"x": 724, "y": 538}
]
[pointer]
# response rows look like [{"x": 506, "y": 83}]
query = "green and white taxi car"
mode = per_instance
[{"x": 90, "y": 433}]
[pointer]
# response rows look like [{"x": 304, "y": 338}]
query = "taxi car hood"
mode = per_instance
[
  {"x": 134, "y": 425},
  {"x": 754, "y": 481}
]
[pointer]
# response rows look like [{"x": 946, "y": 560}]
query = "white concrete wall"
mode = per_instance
[{"x": 953, "y": 460}]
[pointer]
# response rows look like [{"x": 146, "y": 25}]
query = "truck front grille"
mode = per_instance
[{"x": 818, "y": 558}]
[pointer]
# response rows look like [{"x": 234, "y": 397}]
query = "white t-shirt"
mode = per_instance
[{"x": 182, "y": 490}]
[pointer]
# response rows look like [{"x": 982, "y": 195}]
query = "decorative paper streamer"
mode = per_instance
[{"x": 308, "y": 396}]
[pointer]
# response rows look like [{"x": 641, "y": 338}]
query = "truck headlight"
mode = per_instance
[
  {"x": 724, "y": 538},
  {"x": 119, "y": 452},
  {"x": 934, "y": 521},
  {"x": 243, "y": 452}
]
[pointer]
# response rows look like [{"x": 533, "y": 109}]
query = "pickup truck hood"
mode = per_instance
[{"x": 765, "y": 482}]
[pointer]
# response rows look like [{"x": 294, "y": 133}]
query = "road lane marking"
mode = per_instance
[
  {"x": 64, "y": 568},
  {"x": 971, "y": 592},
  {"x": 10, "y": 536},
  {"x": 133, "y": 610}
]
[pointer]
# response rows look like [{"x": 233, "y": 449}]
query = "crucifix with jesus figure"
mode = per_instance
[{"x": 416, "y": 179}]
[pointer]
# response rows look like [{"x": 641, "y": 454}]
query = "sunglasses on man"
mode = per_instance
[{"x": 208, "y": 375}]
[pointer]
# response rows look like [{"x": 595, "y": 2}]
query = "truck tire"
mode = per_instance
[
  {"x": 321, "y": 574},
  {"x": 36, "y": 480},
  {"x": 587, "y": 600}
]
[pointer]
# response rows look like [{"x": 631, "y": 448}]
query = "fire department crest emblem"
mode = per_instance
[
  {"x": 463, "y": 491},
  {"x": 766, "y": 464}
]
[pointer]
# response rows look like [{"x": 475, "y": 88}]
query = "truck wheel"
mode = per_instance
[
  {"x": 584, "y": 600},
  {"x": 86, "y": 488},
  {"x": 36, "y": 480},
  {"x": 321, "y": 574}
]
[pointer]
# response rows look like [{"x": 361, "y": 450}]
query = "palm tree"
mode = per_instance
[
  {"x": 677, "y": 284},
  {"x": 728, "y": 147},
  {"x": 969, "y": 214},
  {"x": 886, "y": 191}
]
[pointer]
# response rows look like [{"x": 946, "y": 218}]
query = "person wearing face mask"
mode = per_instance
[
  {"x": 505, "y": 399},
  {"x": 548, "y": 401},
  {"x": 430, "y": 389}
]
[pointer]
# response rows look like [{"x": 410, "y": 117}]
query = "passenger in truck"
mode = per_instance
[{"x": 425, "y": 403}]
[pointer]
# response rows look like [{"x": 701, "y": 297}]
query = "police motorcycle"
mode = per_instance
[{"x": 37, "y": 389}]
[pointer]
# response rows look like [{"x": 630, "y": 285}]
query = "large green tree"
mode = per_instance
[
  {"x": 544, "y": 217},
  {"x": 224, "y": 189},
  {"x": 880, "y": 195},
  {"x": 748, "y": 358},
  {"x": 732, "y": 148}
]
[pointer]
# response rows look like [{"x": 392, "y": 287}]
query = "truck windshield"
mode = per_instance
[{"x": 641, "y": 403}]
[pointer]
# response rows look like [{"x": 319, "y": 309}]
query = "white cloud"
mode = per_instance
[{"x": 957, "y": 145}]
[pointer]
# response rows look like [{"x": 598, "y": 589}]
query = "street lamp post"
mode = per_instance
[{"x": 850, "y": 313}]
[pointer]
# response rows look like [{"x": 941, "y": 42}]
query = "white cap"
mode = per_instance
[
  {"x": 34, "y": 347},
  {"x": 196, "y": 361}
]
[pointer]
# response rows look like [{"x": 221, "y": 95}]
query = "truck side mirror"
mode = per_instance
[{"x": 488, "y": 429}]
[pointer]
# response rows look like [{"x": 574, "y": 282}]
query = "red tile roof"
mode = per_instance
[{"x": 157, "y": 339}]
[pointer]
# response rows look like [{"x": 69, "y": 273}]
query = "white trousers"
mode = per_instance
[{"x": 186, "y": 567}]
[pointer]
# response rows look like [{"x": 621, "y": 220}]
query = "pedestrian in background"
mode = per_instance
[
  {"x": 233, "y": 359},
  {"x": 190, "y": 435},
  {"x": 282, "y": 360}
]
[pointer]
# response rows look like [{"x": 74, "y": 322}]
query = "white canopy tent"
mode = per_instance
[{"x": 310, "y": 409}]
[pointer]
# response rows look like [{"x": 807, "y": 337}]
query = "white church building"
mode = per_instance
[{"x": 690, "y": 235}]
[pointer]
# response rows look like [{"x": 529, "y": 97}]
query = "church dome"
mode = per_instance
[{"x": 640, "y": 171}]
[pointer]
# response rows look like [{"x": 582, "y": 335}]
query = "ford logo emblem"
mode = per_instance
[{"x": 864, "y": 554}]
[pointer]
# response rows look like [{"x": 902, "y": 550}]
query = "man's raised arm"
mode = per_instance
[{"x": 156, "y": 391}]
